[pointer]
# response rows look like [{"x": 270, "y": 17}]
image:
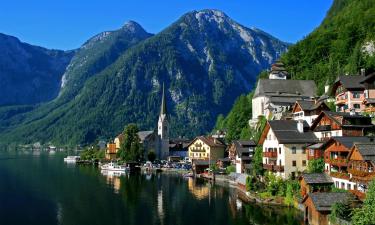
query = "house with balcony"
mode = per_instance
[
  {"x": 284, "y": 143},
  {"x": 315, "y": 182},
  {"x": 241, "y": 153},
  {"x": 336, "y": 124},
  {"x": 206, "y": 148},
  {"x": 369, "y": 94},
  {"x": 361, "y": 167},
  {"x": 349, "y": 93},
  {"x": 336, "y": 158},
  {"x": 315, "y": 151},
  {"x": 308, "y": 110}
]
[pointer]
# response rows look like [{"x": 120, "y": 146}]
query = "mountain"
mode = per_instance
[
  {"x": 343, "y": 43},
  {"x": 29, "y": 74},
  {"x": 205, "y": 59}
]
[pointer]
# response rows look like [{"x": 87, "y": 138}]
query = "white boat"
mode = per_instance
[
  {"x": 72, "y": 159},
  {"x": 113, "y": 167}
]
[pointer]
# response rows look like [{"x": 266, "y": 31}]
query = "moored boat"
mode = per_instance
[
  {"x": 72, "y": 159},
  {"x": 113, "y": 167}
]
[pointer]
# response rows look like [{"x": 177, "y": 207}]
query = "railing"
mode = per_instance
[
  {"x": 338, "y": 162},
  {"x": 340, "y": 175},
  {"x": 270, "y": 154}
]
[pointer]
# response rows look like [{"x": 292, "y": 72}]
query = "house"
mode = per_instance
[
  {"x": 336, "y": 158},
  {"x": 241, "y": 153},
  {"x": 273, "y": 97},
  {"x": 361, "y": 166},
  {"x": 206, "y": 148},
  {"x": 315, "y": 182},
  {"x": 318, "y": 206},
  {"x": 278, "y": 71},
  {"x": 111, "y": 151},
  {"x": 308, "y": 110},
  {"x": 349, "y": 93},
  {"x": 179, "y": 147},
  {"x": 200, "y": 165},
  {"x": 369, "y": 93},
  {"x": 315, "y": 151},
  {"x": 284, "y": 143},
  {"x": 335, "y": 124}
]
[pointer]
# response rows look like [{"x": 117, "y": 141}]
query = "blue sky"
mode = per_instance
[{"x": 66, "y": 24}]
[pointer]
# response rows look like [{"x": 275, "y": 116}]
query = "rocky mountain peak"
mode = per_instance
[{"x": 133, "y": 27}]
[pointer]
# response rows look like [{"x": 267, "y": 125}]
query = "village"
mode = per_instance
[{"x": 320, "y": 150}]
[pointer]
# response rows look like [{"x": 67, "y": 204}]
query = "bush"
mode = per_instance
[{"x": 231, "y": 169}]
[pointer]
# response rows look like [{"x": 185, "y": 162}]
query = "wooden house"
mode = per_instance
[
  {"x": 315, "y": 182},
  {"x": 241, "y": 153},
  {"x": 308, "y": 110},
  {"x": 349, "y": 93}
]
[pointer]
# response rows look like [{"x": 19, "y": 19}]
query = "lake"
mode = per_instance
[{"x": 42, "y": 189}]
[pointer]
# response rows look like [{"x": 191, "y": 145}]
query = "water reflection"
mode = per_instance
[
  {"x": 200, "y": 190},
  {"x": 113, "y": 179}
]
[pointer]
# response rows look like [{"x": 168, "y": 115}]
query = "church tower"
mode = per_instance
[{"x": 163, "y": 129}]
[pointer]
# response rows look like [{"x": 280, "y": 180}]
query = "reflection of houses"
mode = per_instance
[
  {"x": 272, "y": 97},
  {"x": 241, "y": 153},
  {"x": 308, "y": 110},
  {"x": 206, "y": 148},
  {"x": 284, "y": 144},
  {"x": 318, "y": 205},
  {"x": 315, "y": 182},
  {"x": 333, "y": 124},
  {"x": 349, "y": 93},
  {"x": 336, "y": 157},
  {"x": 199, "y": 191},
  {"x": 361, "y": 166}
]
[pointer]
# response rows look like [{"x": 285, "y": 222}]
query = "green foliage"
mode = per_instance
[
  {"x": 230, "y": 169},
  {"x": 151, "y": 156},
  {"x": 335, "y": 47},
  {"x": 258, "y": 161},
  {"x": 130, "y": 148},
  {"x": 366, "y": 214},
  {"x": 92, "y": 153},
  {"x": 289, "y": 195},
  {"x": 316, "y": 166},
  {"x": 341, "y": 210}
]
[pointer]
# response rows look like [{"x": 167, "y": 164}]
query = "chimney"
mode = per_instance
[
  {"x": 363, "y": 72},
  {"x": 300, "y": 126}
]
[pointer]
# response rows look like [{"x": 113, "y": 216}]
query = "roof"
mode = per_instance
[
  {"x": 309, "y": 105},
  {"x": 368, "y": 78},
  {"x": 144, "y": 134},
  {"x": 286, "y": 132},
  {"x": 367, "y": 151},
  {"x": 359, "y": 121},
  {"x": 349, "y": 82},
  {"x": 323, "y": 201},
  {"x": 316, "y": 145},
  {"x": 210, "y": 141},
  {"x": 348, "y": 142},
  {"x": 317, "y": 178},
  {"x": 266, "y": 87}
]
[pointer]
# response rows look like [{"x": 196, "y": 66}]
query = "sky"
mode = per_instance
[{"x": 67, "y": 24}]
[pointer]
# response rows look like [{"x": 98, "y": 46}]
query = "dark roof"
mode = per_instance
[
  {"x": 317, "y": 178},
  {"x": 350, "y": 81},
  {"x": 286, "y": 132},
  {"x": 210, "y": 141},
  {"x": 243, "y": 146},
  {"x": 309, "y": 105},
  {"x": 306, "y": 88},
  {"x": 323, "y": 201},
  {"x": 369, "y": 77},
  {"x": 348, "y": 142},
  {"x": 144, "y": 134},
  {"x": 357, "y": 120},
  {"x": 367, "y": 151},
  {"x": 316, "y": 145}
]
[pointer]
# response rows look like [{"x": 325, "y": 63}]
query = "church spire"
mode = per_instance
[{"x": 163, "y": 108}]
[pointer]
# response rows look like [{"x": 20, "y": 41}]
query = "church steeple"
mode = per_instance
[{"x": 163, "y": 108}]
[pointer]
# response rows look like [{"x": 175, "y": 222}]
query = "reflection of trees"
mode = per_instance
[{"x": 271, "y": 215}]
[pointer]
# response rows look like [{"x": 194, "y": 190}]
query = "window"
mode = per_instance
[
  {"x": 279, "y": 150},
  {"x": 337, "y": 184},
  {"x": 356, "y": 106},
  {"x": 356, "y": 94},
  {"x": 311, "y": 152},
  {"x": 293, "y": 175},
  {"x": 303, "y": 162},
  {"x": 294, "y": 150},
  {"x": 342, "y": 185},
  {"x": 348, "y": 186},
  {"x": 294, "y": 163}
]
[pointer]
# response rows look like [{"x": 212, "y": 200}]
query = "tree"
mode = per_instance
[
  {"x": 130, "y": 147},
  {"x": 258, "y": 161},
  {"x": 316, "y": 166},
  {"x": 366, "y": 214},
  {"x": 151, "y": 156}
]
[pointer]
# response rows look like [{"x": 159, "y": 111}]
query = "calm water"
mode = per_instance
[{"x": 43, "y": 190}]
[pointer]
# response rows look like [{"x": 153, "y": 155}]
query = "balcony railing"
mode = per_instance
[
  {"x": 340, "y": 175},
  {"x": 270, "y": 154},
  {"x": 323, "y": 128},
  {"x": 337, "y": 162}
]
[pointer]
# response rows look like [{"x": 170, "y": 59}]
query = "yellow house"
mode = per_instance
[
  {"x": 206, "y": 148},
  {"x": 118, "y": 140}
]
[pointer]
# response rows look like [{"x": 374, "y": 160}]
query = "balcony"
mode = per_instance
[
  {"x": 338, "y": 162},
  {"x": 323, "y": 128},
  {"x": 340, "y": 175},
  {"x": 270, "y": 154},
  {"x": 278, "y": 168},
  {"x": 268, "y": 167}
]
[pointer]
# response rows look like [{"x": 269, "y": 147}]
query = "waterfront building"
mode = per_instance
[
  {"x": 284, "y": 144},
  {"x": 315, "y": 182},
  {"x": 241, "y": 153},
  {"x": 308, "y": 110},
  {"x": 336, "y": 124},
  {"x": 336, "y": 158},
  {"x": 349, "y": 93},
  {"x": 361, "y": 167},
  {"x": 206, "y": 148},
  {"x": 179, "y": 147},
  {"x": 111, "y": 151},
  {"x": 318, "y": 206}
]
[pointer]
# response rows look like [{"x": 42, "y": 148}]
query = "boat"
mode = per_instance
[
  {"x": 188, "y": 175},
  {"x": 113, "y": 167},
  {"x": 72, "y": 159}
]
